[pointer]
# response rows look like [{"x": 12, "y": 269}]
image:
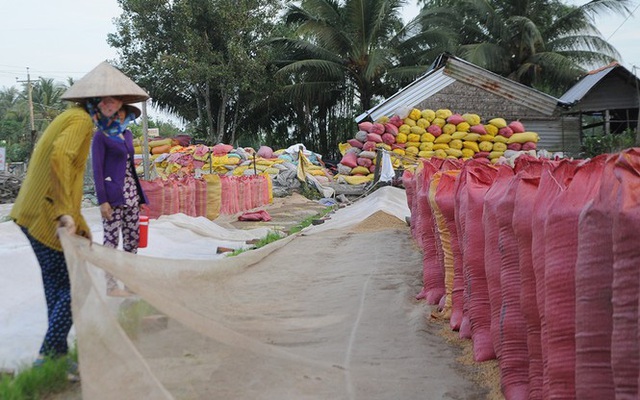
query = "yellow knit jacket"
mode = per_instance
[{"x": 55, "y": 177}]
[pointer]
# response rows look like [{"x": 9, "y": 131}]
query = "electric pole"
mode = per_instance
[{"x": 30, "y": 99}]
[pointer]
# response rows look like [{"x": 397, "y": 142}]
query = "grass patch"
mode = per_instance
[
  {"x": 38, "y": 383},
  {"x": 274, "y": 236},
  {"x": 307, "y": 221}
]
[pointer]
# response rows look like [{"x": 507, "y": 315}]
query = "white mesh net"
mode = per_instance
[{"x": 326, "y": 314}]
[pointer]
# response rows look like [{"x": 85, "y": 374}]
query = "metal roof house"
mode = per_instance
[
  {"x": 463, "y": 87},
  {"x": 606, "y": 100}
]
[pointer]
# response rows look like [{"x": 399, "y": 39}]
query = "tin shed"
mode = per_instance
[
  {"x": 605, "y": 100},
  {"x": 463, "y": 87}
]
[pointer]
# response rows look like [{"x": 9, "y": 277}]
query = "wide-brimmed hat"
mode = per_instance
[
  {"x": 103, "y": 81},
  {"x": 132, "y": 109}
]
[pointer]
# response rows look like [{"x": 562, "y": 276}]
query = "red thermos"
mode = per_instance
[{"x": 144, "y": 231}]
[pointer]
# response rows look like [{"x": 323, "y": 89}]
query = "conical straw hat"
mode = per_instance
[
  {"x": 105, "y": 80},
  {"x": 133, "y": 109}
]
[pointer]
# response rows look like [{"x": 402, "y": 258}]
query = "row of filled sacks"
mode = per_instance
[
  {"x": 537, "y": 265},
  {"x": 242, "y": 193},
  {"x": 209, "y": 196}
]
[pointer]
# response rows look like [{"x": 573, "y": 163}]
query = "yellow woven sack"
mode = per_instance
[
  {"x": 449, "y": 129},
  {"x": 485, "y": 146},
  {"x": 272, "y": 171},
  {"x": 427, "y": 137},
  {"x": 444, "y": 138},
  {"x": 500, "y": 139},
  {"x": 471, "y": 119},
  {"x": 471, "y": 137},
  {"x": 440, "y": 146},
  {"x": 399, "y": 151},
  {"x": 359, "y": 170},
  {"x": 458, "y": 135},
  {"x": 467, "y": 153},
  {"x": 383, "y": 146},
  {"x": 463, "y": 127},
  {"x": 491, "y": 129},
  {"x": 427, "y": 114},
  {"x": 415, "y": 114},
  {"x": 454, "y": 153},
  {"x": 485, "y": 138},
  {"x": 426, "y": 146},
  {"x": 343, "y": 147},
  {"x": 414, "y": 144},
  {"x": 414, "y": 137},
  {"x": 440, "y": 153},
  {"x": 410, "y": 122},
  {"x": 471, "y": 146},
  {"x": 439, "y": 121},
  {"x": 357, "y": 179},
  {"x": 401, "y": 138},
  {"x": 411, "y": 150},
  {"x": 495, "y": 154},
  {"x": 443, "y": 113},
  {"x": 426, "y": 154},
  {"x": 161, "y": 142},
  {"x": 418, "y": 130},
  {"x": 498, "y": 122},
  {"x": 423, "y": 123},
  {"x": 499, "y": 147},
  {"x": 456, "y": 144},
  {"x": 523, "y": 137},
  {"x": 214, "y": 195},
  {"x": 404, "y": 128}
]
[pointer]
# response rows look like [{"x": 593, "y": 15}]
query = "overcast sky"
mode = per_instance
[{"x": 62, "y": 38}]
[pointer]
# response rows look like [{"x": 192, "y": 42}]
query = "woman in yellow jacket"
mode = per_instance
[{"x": 51, "y": 194}]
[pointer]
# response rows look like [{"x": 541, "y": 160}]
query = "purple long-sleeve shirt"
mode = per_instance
[{"x": 109, "y": 159}]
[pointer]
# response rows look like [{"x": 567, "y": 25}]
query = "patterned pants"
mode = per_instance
[
  {"x": 57, "y": 292},
  {"x": 125, "y": 219}
]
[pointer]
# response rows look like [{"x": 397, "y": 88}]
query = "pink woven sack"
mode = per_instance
[
  {"x": 625, "y": 361},
  {"x": 594, "y": 277},
  {"x": 561, "y": 231}
]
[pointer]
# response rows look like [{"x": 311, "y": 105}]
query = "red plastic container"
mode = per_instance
[{"x": 143, "y": 230}]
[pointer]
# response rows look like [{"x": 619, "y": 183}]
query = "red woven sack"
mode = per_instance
[
  {"x": 561, "y": 246},
  {"x": 432, "y": 270},
  {"x": 626, "y": 259},
  {"x": 350, "y": 159},
  {"x": 594, "y": 277},
  {"x": 479, "y": 179},
  {"x": 514, "y": 357},
  {"x": 553, "y": 180},
  {"x": 154, "y": 190},
  {"x": 528, "y": 182},
  {"x": 445, "y": 198},
  {"x": 492, "y": 257}
]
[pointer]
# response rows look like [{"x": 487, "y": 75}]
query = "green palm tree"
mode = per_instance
[
  {"x": 541, "y": 43},
  {"x": 340, "y": 45},
  {"x": 46, "y": 101}
]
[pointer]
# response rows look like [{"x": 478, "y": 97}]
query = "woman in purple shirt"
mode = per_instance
[{"x": 118, "y": 188}]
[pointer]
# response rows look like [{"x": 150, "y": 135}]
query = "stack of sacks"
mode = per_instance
[
  {"x": 444, "y": 134},
  {"x": 358, "y": 161}
]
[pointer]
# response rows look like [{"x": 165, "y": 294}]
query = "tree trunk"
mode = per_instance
[
  {"x": 221, "y": 119},
  {"x": 234, "y": 125},
  {"x": 207, "y": 107}
]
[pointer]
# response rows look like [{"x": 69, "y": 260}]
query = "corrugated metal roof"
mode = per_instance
[
  {"x": 424, "y": 87},
  {"x": 584, "y": 85},
  {"x": 513, "y": 91},
  {"x": 447, "y": 70}
]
